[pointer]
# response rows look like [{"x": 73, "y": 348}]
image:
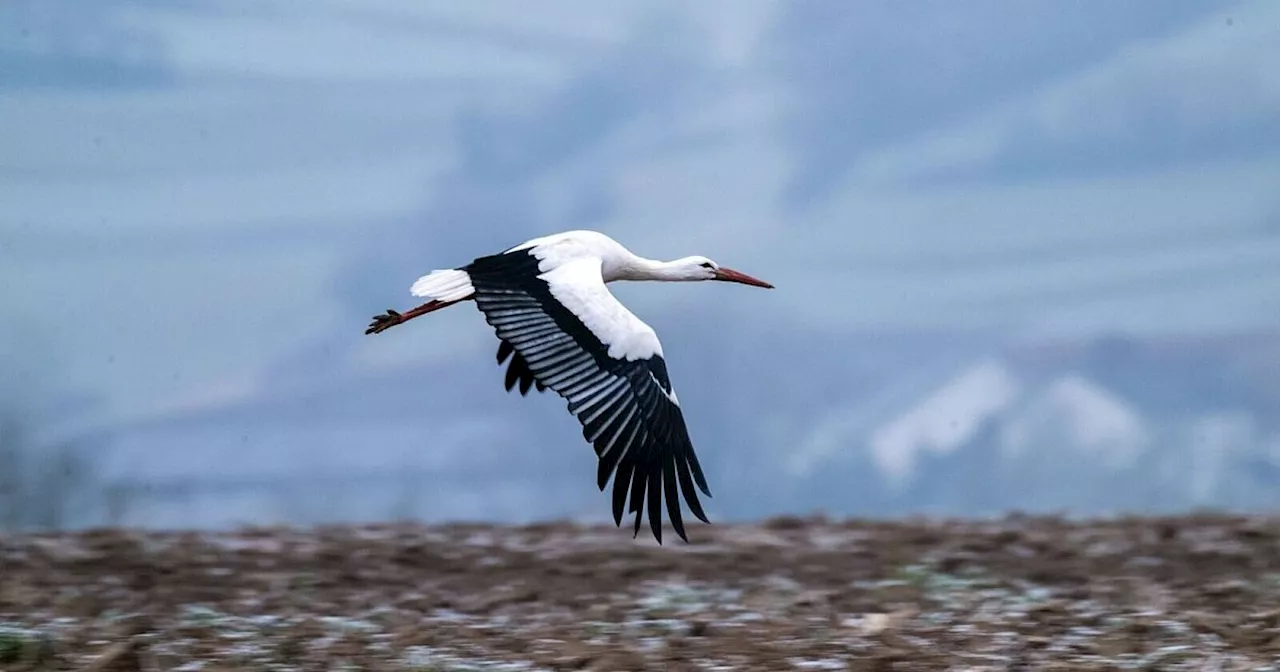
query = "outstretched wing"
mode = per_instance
[{"x": 577, "y": 339}]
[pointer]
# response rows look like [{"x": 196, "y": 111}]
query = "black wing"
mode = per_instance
[
  {"x": 627, "y": 408},
  {"x": 517, "y": 370}
]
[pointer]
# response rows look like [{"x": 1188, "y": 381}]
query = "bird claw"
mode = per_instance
[{"x": 384, "y": 321}]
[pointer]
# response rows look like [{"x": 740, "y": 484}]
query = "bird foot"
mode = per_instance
[{"x": 384, "y": 321}]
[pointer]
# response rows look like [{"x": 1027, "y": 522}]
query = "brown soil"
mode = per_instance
[{"x": 1017, "y": 593}]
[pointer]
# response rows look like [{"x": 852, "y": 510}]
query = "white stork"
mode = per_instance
[{"x": 564, "y": 330}]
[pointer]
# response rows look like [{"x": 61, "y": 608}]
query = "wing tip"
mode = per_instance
[{"x": 635, "y": 489}]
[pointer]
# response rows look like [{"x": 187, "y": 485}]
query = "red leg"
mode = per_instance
[{"x": 391, "y": 318}]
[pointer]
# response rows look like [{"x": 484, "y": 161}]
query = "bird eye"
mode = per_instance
[{"x": 707, "y": 264}]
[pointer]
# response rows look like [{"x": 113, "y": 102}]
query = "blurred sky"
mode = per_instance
[{"x": 196, "y": 191}]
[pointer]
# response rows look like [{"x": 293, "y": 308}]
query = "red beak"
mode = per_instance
[{"x": 730, "y": 275}]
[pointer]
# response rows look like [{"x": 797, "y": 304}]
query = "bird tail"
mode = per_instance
[{"x": 448, "y": 286}]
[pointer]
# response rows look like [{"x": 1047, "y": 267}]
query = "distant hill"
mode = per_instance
[{"x": 858, "y": 424}]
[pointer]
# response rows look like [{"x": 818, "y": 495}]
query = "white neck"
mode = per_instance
[{"x": 640, "y": 268}]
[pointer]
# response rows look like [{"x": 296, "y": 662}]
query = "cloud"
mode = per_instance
[
  {"x": 1208, "y": 92},
  {"x": 868, "y": 76}
]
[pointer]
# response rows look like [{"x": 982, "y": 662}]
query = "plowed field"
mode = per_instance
[{"x": 1026, "y": 593}]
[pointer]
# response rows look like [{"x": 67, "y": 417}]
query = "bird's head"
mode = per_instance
[{"x": 701, "y": 268}]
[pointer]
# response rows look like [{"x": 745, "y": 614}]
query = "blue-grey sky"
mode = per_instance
[{"x": 201, "y": 195}]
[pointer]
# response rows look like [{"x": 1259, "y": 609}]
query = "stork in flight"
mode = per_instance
[{"x": 564, "y": 330}]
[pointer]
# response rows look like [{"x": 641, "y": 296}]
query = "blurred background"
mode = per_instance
[{"x": 1027, "y": 255}]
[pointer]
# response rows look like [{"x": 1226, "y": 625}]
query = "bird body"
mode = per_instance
[{"x": 563, "y": 330}]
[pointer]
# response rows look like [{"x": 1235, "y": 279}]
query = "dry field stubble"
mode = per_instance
[{"x": 1190, "y": 593}]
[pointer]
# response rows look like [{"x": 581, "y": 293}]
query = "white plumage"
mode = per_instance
[
  {"x": 579, "y": 286},
  {"x": 563, "y": 330},
  {"x": 446, "y": 285}
]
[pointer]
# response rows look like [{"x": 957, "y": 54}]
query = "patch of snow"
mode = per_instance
[
  {"x": 1085, "y": 416},
  {"x": 945, "y": 419}
]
